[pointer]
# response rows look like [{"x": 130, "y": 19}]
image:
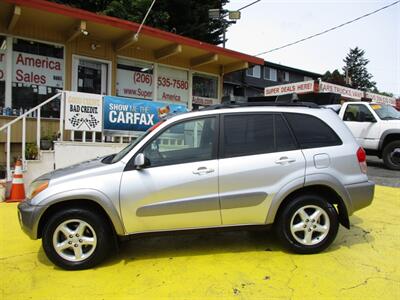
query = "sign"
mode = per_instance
[
  {"x": 39, "y": 70},
  {"x": 172, "y": 85},
  {"x": 345, "y": 92},
  {"x": 204, "y": 101},
  {"x": 127, "y": 114},
  {"x": 297, "y": 87},
  {"x": 2, "y": 65},
  {"x": 83, "y": 111},
  {"x": 134, "y": 84},
  {"x": 381, "y": 99}
]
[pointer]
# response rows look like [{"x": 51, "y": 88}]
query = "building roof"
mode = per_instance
[
  {"x": 290, "y": 69},
  {"x": 121, "y": 32}
]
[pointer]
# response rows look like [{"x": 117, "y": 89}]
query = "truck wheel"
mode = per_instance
[
  {"x": 76, "y": 239},
  {"x": 308, "y": 224},
  {"x": 391, "y": 155}
]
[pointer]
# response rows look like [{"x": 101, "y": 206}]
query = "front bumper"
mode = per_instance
[
  {"x": 361, "y": 195},
  {"x": 28, "y": 216}
]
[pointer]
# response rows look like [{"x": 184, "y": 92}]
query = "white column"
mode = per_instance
[
  {"x": 155, "y": 80},
  {"x": 190, "y": 101},
  {"x": 9, "y": 63}
]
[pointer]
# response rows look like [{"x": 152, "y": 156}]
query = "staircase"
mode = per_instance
[{"x": 65, "y": 152}]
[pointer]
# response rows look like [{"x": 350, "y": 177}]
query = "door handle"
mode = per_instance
[
  {"x": 285, "y": 160},
  {"x": 202, "y": 171}
]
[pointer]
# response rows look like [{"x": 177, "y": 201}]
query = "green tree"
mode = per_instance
[
  {"x": 335, "y": 77},
  {"x": 356, "y": 68},
  {"x": 185, "y": 17}
]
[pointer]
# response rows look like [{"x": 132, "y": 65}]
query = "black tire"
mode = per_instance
[
  {"x": 103, "y": 234},
  {"x": 290, "y": 214},
  {"x": 391, "y": 156}
]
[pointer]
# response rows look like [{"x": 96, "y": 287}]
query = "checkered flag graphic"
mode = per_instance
[
  {"x": 76, "y": 121},
  {"x": 90, "y": 122}
]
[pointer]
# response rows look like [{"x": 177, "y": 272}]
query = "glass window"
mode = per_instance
[
  {"x": 134, "y": 79},
  {"x": 3, "y": 49},
  {"x": 254, "y": 71},
  {"x": 283, "y": 137},
  {"x": 248, "y": 134},
  {"x": 270, "y": 73},
  {"x": 184, "y": 142},
  {"x": 312, "y": 132},
  {"x": 358, "y": 113},
  {"x": 38, "y": 72},
  {"x": 205, "y": 89},
  {"x": 172, "y": 85},
  {"x": 306, "y": 78},
  {"x": 386, "y": 112},
  {"x": 287, "y": 76}
]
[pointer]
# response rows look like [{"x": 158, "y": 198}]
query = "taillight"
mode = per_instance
[{"x": 362, "y": 159}]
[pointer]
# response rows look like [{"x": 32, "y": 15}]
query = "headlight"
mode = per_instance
[{"x": 36, "y": 187}]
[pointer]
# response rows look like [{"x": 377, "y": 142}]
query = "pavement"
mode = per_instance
[
  {"x": 378, "y": 173},
  {"x": 362, "y": 263}
]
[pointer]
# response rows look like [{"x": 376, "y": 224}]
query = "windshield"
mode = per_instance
[{"x": 386, "y": 112}]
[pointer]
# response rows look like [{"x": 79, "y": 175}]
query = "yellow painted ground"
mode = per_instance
[{"x": 363, "y": 263}]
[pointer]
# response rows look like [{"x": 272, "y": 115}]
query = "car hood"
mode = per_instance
[{"x": 74, "y": 169}]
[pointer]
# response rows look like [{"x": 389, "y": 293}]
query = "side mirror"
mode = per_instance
[{"x": 139, "y": 160}]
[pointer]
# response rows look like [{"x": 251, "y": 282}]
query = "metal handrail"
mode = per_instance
[{"x": 23, "y": 118}]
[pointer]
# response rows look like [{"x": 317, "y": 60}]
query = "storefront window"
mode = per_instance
[
  {"x": 172, "y": 85},
  {"x": 38, "y": 72},
  {"x": 134, "y": 79},
  {"x": 205, "y": 89},
  {"x": 3, "y": 48}
]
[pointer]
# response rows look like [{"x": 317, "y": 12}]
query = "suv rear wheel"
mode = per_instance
[
  {"x": 75, "y": 239},
  {"x": 391, "y": 155},
  {"x": 308, "y": 224}
]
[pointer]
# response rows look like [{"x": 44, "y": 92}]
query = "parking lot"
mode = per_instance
[{"x": 362, "y": 263}]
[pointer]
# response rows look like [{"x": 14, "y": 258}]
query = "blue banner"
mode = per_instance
[{"x": 129, "y": 114}]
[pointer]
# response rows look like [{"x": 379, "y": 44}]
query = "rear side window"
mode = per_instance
[
  {"x": 248, "y": 134},
  {"x": 251, "y": 134},
  {"x": 312, "y": 132}
]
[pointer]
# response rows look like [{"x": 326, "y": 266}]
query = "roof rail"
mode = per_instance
[{"x": 255, "y": 104}]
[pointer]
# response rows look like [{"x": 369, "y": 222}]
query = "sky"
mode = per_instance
[{"x": 269, "y": 24}]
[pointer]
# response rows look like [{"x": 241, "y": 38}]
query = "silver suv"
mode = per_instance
[{"x": 297, "y": 167}]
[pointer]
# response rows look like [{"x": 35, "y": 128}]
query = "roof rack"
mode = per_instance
[{"x": 255, "y": 104}]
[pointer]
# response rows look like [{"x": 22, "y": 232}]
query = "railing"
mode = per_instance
[
  {"x": 37, "y": 111},
  {"x": 23, "y": 117}
]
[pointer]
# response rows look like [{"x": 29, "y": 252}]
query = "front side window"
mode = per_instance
[
  {"x": 358, "y": 113},
  {"x": 312, "y": 132},
  {"x": 184, "y": 142}
]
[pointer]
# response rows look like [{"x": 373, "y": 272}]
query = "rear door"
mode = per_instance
[{"x": 258, "y": 155}]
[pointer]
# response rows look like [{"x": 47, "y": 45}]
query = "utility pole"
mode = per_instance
[{"x": 220, "y": 14}]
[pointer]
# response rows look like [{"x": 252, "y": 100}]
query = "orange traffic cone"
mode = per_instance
[{"x": 17, "y": 193}]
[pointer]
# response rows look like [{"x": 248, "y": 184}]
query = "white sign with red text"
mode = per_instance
[
  {"x": 297, "y": 87},
  {"x": 134, "y": 84},
  {"x": 204, "y": 101},
  {"x": 325, "y": 87},
  {"x": 172, "y": 85},
  {"x": 2, "y": 65},
  {"x": 37, "y": 69},
  {"x": 381, "y": 99}
]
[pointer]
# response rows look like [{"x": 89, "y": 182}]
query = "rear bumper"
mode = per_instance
[
  {"x": 361, "y": 195},
  {"x": 28, "y": 216}
]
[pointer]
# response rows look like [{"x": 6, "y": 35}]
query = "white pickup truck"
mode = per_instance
[{"x": 376, "y": 128}]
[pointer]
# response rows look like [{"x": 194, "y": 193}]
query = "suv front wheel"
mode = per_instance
[
  {"x": 391, "y": 155},
  {"x": 76, "y": 238},
  {"x": 308, "y": 224}
]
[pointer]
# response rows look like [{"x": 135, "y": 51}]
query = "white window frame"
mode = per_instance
[
  {"x": 74, "y": 70},
  {"x": 253, "y": 69},
  {"x": 271, "y": 70}
]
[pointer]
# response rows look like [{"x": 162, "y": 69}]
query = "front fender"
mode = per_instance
[{"x": 85, "y": 194}]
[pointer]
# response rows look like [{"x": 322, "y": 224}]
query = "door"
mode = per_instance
[
  {"x": 178, "y": 187},
  {"x": 90, "y": 76},
  {"x": 363, "y": 125},
  {"x": 258, "y": 157}
]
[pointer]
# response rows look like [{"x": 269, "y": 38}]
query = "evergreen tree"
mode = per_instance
[
  {"x": 355, "y": 66},
  {"x": 185, "y": 17},
  {"x": 335, "y": 77}
]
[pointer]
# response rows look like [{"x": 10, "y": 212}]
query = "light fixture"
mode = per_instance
[
  {"x": 94, "y": 46},
  {"x": 84, "y": 32}
]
